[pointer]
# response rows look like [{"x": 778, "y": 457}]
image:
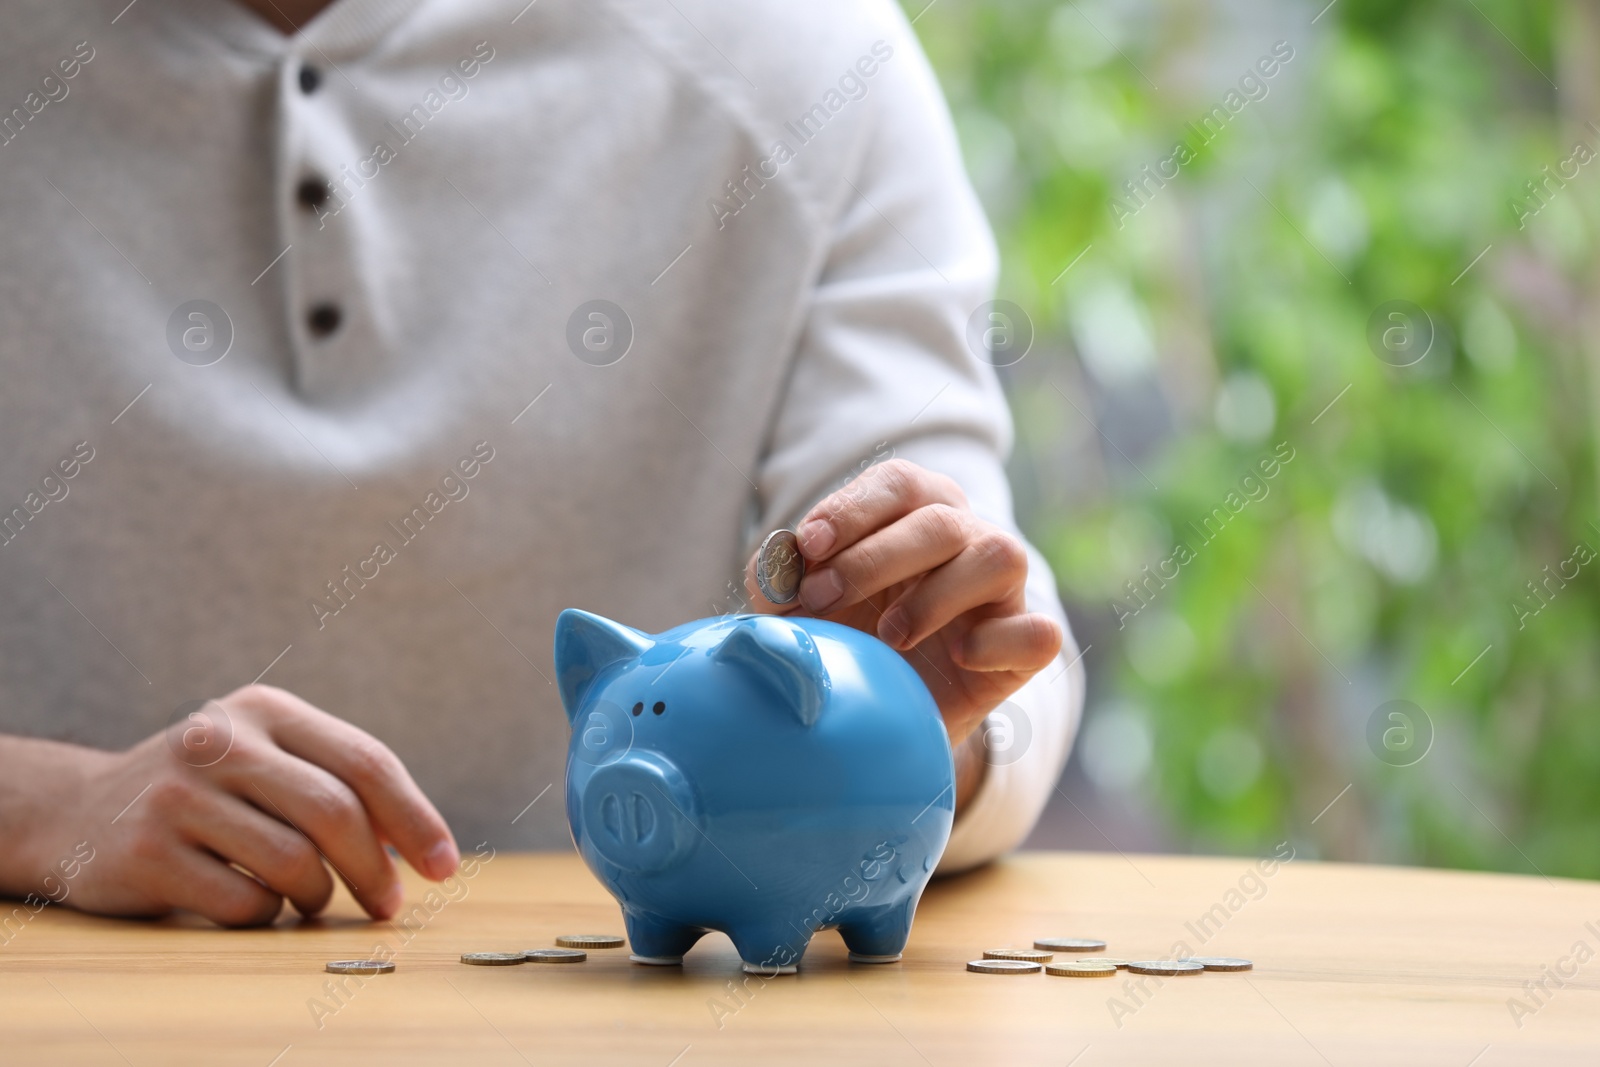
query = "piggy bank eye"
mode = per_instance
[
  {"x": 637, "y": 708},
  {"x": 659, "y": 707}
]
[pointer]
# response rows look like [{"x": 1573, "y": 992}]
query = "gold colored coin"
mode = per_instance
[
  {"x": 493, "y": 959},
  {"x": 1083, "y": 969},
  {"x": 359, "y": 967},
  {"x": 555, "y": 955},
  {"x": 1031, "y": 955},
  {"x": 1003, "y": 967},
  {"x": 1069, "y": 944},
  {"x": 590, "y": 941}
]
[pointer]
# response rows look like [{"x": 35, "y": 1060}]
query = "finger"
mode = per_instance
[
  {"x": 403, "y": 815},
  {"x": 1022, "y": 643},
  {"x": 989, "y": 571},
  {"x": 322, "y": 808},
  {"x": 274, "y": 852},
  {"x": 883, "y": 493},
  {"x": 202, "y": 883},
  {"x": 912, "y": 546}
]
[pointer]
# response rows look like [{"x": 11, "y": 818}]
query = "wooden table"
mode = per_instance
[{"x": 1354, "y": 965}]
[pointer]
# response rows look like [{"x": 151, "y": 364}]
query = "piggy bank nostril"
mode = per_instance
[
  {"x": 611, "y": 816},
  {"x": 644, "y": 818}
]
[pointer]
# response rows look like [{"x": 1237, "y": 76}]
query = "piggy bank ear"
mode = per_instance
[
  {"x": 587, "y": 644},
  {"x": 783, "y": 659}
]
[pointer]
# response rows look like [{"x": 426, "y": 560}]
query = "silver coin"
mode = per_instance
[
  {"x": 1082, "y": 969},
  {"x": 493, "y": 959},
  {"x": 359, "y": 967},
  {"x": 590, "y": 941},
  {"x": 1003, "y": 967},
  {"x": 780, "y": 566},
  {"x": 1222, "y": 963},
  {"x": 1069, "y": 944},
  {"x": 1165, "y": 967},
  {"x": 1030, "y": 955},
  {"x": 555, "y": 955}
]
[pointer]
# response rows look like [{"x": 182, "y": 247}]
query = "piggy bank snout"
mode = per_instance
[{"x": 639, "y": 812}]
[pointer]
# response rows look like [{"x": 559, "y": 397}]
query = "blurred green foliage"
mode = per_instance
[{"x": 1228, "y": 317}]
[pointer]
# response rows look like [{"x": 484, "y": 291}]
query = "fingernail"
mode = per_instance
[
  {"x": 821, "y": 590},
  {"x": 962, "y": 653},
  {"x": 892, "y": 628},
  {"x": 389, "y": 906},
  {"x": 442, "y": 860},
  {"x": 816, "y": 537}
]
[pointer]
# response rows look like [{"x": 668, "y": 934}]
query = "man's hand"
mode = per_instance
[
  {"x": 172, "y": 829},
  {"x": 899, "y": 554}
]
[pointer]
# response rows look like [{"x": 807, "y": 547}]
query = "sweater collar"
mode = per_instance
[{"x": 345, "y": 29}]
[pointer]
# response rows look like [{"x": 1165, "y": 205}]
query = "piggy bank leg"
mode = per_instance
[
  {"x": 658, "y": 941},
  {"x": 770, "y": 950},
  {"x": 878, "y": 935}
]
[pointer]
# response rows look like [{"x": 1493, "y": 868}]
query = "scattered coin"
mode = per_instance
[
  {"x": 493, "y": 959},
  {"x": 1030, "y": 955},
  {"x": 1003, "y": 967},
  {"x": 779, "y": 567},
  {"x": 590, "y": 941},
  {"x": 1222, "y": 963},
  {"x": 1082, "y": 969},
  {"x": 359, "y": 967},
  {"x": 1165, "y": 967},
  {"x": 555, "y": 955},
  {"x": 1119, "y": 964},
  {"x": 1069, "y": 944}
]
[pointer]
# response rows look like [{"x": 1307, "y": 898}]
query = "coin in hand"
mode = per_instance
[{"x": 779, "y": 567}]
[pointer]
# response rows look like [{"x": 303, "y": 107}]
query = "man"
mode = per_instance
[{"x": 348, "y": 343}]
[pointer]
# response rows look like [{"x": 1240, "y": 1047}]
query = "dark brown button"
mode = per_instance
[
  {"x": 324, "y": 319},
  {"x": 310, "y": 78},
  {"x": 312, "y": 193}
]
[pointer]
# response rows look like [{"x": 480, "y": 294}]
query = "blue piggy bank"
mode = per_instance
[{"x": 763, "y": 776}]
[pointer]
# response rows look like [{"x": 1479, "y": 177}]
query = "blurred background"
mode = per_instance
[{"x": 1306, "y": 426}]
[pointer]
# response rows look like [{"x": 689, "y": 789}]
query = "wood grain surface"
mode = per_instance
[{"x": 1354, "y": 965}]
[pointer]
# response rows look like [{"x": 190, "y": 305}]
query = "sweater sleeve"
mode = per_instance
[{"x": 883, "y": 365}]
